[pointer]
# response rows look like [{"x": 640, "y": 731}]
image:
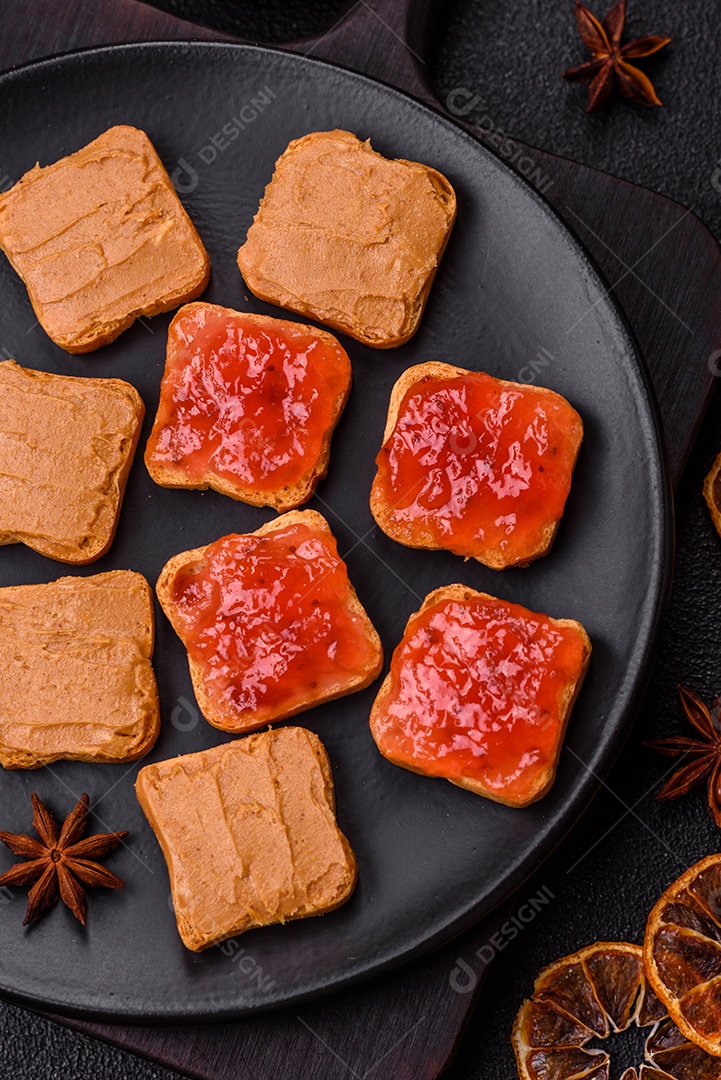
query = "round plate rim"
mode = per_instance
[{"x": 575, "y": 805}]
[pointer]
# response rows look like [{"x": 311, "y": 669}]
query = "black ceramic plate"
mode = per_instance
[{"x": 515, "y": 296}]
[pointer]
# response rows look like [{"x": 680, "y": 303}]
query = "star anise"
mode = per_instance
[
  {"x": 610, "y": 58},
  {"x": 704, "y": 754},
  {"x": 60, "y": 864}
]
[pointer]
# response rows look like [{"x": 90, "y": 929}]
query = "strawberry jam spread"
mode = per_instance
[
  {"x": 273, "y": 623},
  {"x": 248, "y": 399},
  {"x": 478, "y": 466},
  {"x": 475, "y": 693}
]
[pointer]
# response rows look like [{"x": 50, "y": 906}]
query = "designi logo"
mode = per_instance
[{"x": 185, "y": 177}]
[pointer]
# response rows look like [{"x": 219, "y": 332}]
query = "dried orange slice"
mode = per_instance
[
  {"x": 674, "y": 1055},
  {"x": 682, "y": 953},
  {"x": 712, "y": 493},
  {"x": 646, "y": 1072},
  {"x": 589, "y": 995}
]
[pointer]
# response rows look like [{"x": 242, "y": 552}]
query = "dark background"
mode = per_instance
[{"x": 628, "y": 847}]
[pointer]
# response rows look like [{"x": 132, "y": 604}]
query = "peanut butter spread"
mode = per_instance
[
  {"x": 66, "y": 446},
  {"x": 249, "y": 834},
  {"x": 75, "y": 674},
  {"x": 349, "y": 237},
  {"x": 99, "y": 238}
]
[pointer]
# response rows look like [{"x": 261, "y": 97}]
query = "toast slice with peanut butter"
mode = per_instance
[
  {"x": 100, "y": 238},
  {"x": 76, "y": 679},
  {"x": 66, "y": 447},
  {"x": 350, "y": 238},
  {"x": 249, "y": 834}
]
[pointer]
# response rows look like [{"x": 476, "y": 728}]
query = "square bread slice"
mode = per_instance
[
  {"x": 475, "y": 465},
  {"x": 100, "y": 238},
  {"x": 76, "y": 679},
  {"x": 66, "y": 447},
  {"x": 271, "y": 622},
  {"x": 349, "y": 238},
  {"x": 263, "y": 435},
  {"x": 480, "y": 692},
  {"x": 249, "y": 834}
]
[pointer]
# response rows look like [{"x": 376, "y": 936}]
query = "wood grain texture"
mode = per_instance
[
  {"x": 405, "y": 1026},
  {"x": 410, "y": 1022}
]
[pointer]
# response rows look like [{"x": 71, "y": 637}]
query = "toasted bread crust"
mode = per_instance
[
  {"x": 130, "y": 741},
  {"x": 164, "y": 590},
  {"x": 276, "y": 293},
  {"x": 460, "y": 593},
  {"x": 79, "y": 334},
  {"x": 284, "y": 498},
  {"x": 416, "y": 537},
  {"x": 90, "y": 548},
  {"x": 197, "y": 939}
]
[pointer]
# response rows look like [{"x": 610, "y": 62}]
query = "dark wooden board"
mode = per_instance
[
  {"x": 624, "y": 227},
  {"x": 406, "y": 1025}
]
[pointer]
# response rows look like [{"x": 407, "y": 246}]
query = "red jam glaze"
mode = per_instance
[
  {"x": 475, "y": 693},
  {"x": 268, "y": 620},
  {"x": 476, "y": 465},
  {"x": 251, "y": 403}
]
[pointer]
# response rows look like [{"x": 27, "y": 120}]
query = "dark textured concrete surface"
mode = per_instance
[
  {"x": 32, "y": 1048},
  {"x": 629, "y": 846},
  {"x": 511, "y": 56}
]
